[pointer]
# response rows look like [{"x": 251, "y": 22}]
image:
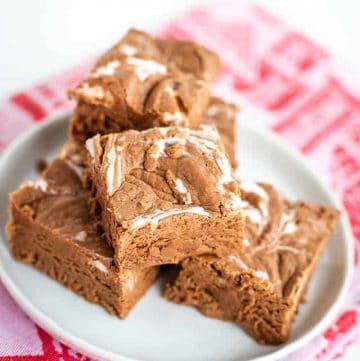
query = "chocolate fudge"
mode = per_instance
[
  {"x": 51, "y": 229},
  {"x": 143, "y": 82},
  {"x": 165, "y": 194},
  {"x": 223, "y": 116},
  {"x": 261, "y": 289}
]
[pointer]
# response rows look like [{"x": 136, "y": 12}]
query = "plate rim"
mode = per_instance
[{"x": 88, "y": 349}]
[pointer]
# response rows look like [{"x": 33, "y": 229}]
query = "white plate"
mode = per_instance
[{"x": 157, "y": 330}]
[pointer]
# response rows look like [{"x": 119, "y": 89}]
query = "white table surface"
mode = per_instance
[{"x": 41, "y": 37}]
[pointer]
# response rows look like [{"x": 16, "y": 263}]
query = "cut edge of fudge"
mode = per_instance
[
  {"x": 144, "y": 82},
  {"x": 164, "y": 193},
  {"x": 262, "y": 288},
  {"x": 223, "y": 115},
  {"x": 52, "y": 230}
]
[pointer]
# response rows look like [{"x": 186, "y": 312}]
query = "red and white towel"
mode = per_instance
[{"x": 296, "y": 89}]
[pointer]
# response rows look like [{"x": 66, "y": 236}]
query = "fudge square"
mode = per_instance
[
  {"x": 165, "y": 194},
  {"x": 261, "y": 289},
  {"x": 143, "y": 82},
  {"x": 51, "y": 229},
  {"x": 223, "y": 116}
]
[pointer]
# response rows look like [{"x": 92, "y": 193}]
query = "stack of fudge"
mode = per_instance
[{"x": 146, "y": 179}]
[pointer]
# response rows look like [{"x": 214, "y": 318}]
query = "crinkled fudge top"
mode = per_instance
[
  {"x": 281, "y": 237},
  {"x": 161, "y": 170},
  {"x": 178, "y": 55},
  {"x": 59, "y": 202},
  {"x": 162, "y": 76}
]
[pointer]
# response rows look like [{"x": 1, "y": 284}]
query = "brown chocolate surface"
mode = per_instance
[
  {"x": 53, "y": 230},
  {"x": 262, "y": 286},
  {"x": 41, "y": 165},
  {"x": 223, "y": 116},
  {"x": 165, "y": 194},
  {"x": 143, "y": 82}
]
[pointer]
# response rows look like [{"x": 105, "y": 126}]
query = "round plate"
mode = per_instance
[{"x": 156, "y": 329}]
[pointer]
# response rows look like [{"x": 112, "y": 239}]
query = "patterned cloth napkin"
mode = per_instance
[{"x": 283, "y": 81}]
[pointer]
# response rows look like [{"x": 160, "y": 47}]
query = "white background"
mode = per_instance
[{"x": 41, "y": 37}]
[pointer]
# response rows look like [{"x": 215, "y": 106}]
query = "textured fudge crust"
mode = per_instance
[
  {"x": 52, "y": 230},
  {"x": 141, "y": 83},
  {"x": 223, "y": 116},
  {"x": 261, "y": 289},
  {"x": 165, "y": 194}
]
